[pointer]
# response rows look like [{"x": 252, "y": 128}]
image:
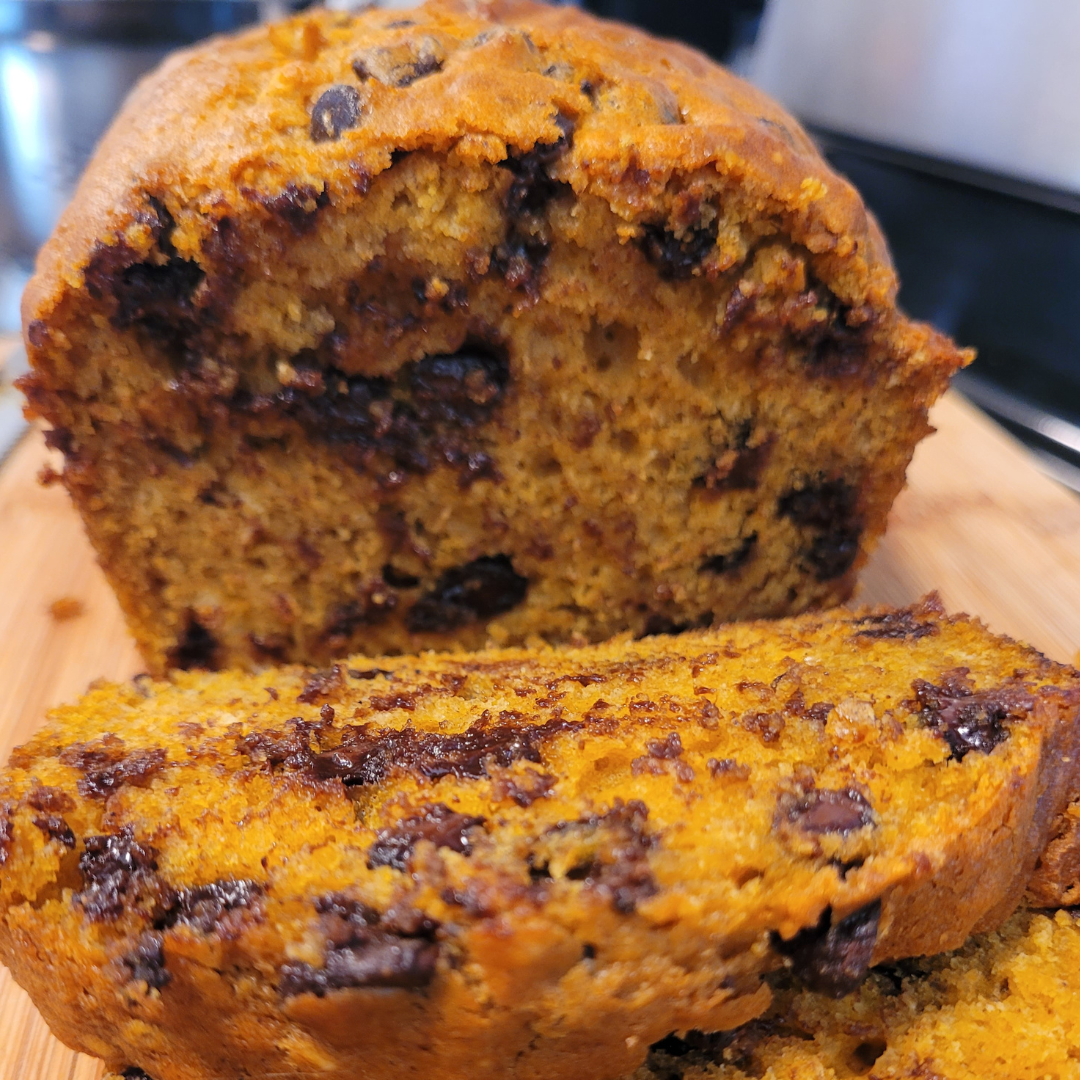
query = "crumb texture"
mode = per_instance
[
  {"x": 489, "y": 325},
  {"x": 500, "y": 864}
]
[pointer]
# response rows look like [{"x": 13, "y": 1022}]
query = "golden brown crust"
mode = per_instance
[
  {"x": 526, "y": 863},
  {"x": 236, "y": 113}
]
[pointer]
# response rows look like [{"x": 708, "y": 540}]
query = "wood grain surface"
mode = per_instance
[{"x": 978, "y": 522}]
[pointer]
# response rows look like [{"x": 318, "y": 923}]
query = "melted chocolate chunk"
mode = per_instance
[
  {"x": 830, "y": 959},
  {"x": 132, "y": 1073},
  {"x": 106, "y": 768},
  {"x": 337, "y": 110},
  {"x": 437, "y": 823},
  {"x": 525, "y": 789},
  {"x": 903, "y": 624},
  {"x": 398, "y": 579},
  {"x": 56, "y": 828},
  {"x": 372, "y": 607},
  {"x": 837, "y": 348},
  {"x": 479, "y": 590},
  {"x": 115, "y": 870},
  {"x": 677, "y": 259},
  {"x": 368, "y": 755},
  {"x": 205, "y": 906},
  {"x": 519, "y": 260},
  {"x": 424, "y": 417},
  {"x": 830, "y": 509},
  {"x": 620, "y": 867},
  {"x": 533, "y": 187},
  {"x": 366, "y": 949},
  {"x": 735, "y": 470},
  {"x": 196, "y": 648},
  {"x": 826, "y": 811},
  {"x": 7, "y": 831},
  {"x": 156, "y": 295},
  {"x": 297, "y": 205},
  {"x": 387, "y": 962},
  {"x": 323, "y": 684},
  {"x": 146, "y": 962},
  {"x": 281, "y": 749},
  {"x": 52, "y": 800},
  {"x": 732, "y": 560},
  {"x": 969, "y": 719}
]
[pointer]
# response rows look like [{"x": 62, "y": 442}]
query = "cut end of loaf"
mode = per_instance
[{"x": 388, "y": 387}]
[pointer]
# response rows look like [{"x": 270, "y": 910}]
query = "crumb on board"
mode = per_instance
[{"x": 67, "y": 607}]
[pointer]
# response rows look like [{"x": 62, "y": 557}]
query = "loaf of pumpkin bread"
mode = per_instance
[
  {"x": 521, "y": 863},
  {"x": 492, "y": 322}
]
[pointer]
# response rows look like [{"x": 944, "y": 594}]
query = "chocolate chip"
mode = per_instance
[
  {"x": 196, "y": 648},
  {"x": 902, "y": 624},
  {"x": 828, "y": 508},
  {"x": 296, "y": 204},
  {"x": 205, "y": 906},
  {"x": 368, "y": 755},
  {"x": 7, "y": 831},
  {"x": 970, "y": 719},
  {"x": 519, "y": 260},
  {"x": 402, "y": 64},
  {"x": 619, "y": 868},
  {"x": 533, "y": 187},
  {"x": 114, "y": 868},
  {"x": 437, "y": 823},
  {"x": 402, "y": 963},
  {"x": 830, "y": 959},
  {"x": 827, "y": 811},
  {"x": 56, "y": 828},
  {"x": 524, "y": 789},
  {"x": 323, "y": 684},
  {"x": 678, "y": 259},
  {"x": 737, "y": 469},
  {"x": 51, "y": 799},
  {"x": 106, "y": 768},
  {"x": 665, "y": 749},
  {"x": 398, "y": 579},
  {"x": 480, "y": 589},
  {"x": 146, "y": 962},
  {"x": 424, "y": 417},
  {"x": 132, "y": 1073},
  {"x": 337, "y": 110},
  {"x": 366, "y": 949},
  {"x": 732, "y": 560}
]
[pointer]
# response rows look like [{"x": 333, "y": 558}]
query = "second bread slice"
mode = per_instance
[{"x": 521, "y": 863}]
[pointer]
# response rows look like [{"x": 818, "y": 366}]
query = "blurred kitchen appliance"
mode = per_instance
[
  {"x": 65, "y": 68},
  {"x": 959, "y": 121}
]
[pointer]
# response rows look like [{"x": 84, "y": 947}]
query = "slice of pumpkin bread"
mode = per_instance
[
  {"x": 521, "y": 863},
  {"x": 371, "y": 333},
  {"x": 1004, "y": 1007}
]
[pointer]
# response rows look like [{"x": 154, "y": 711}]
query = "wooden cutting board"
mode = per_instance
[{"x": 978, "y": 522}]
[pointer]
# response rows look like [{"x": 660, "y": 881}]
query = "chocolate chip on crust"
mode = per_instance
[
  {"x": 438, "y": 823},
  {"x": 834, "y": 959},
  {"x": 969, "y": 719},
  {"x": 337, "y": 110}
]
